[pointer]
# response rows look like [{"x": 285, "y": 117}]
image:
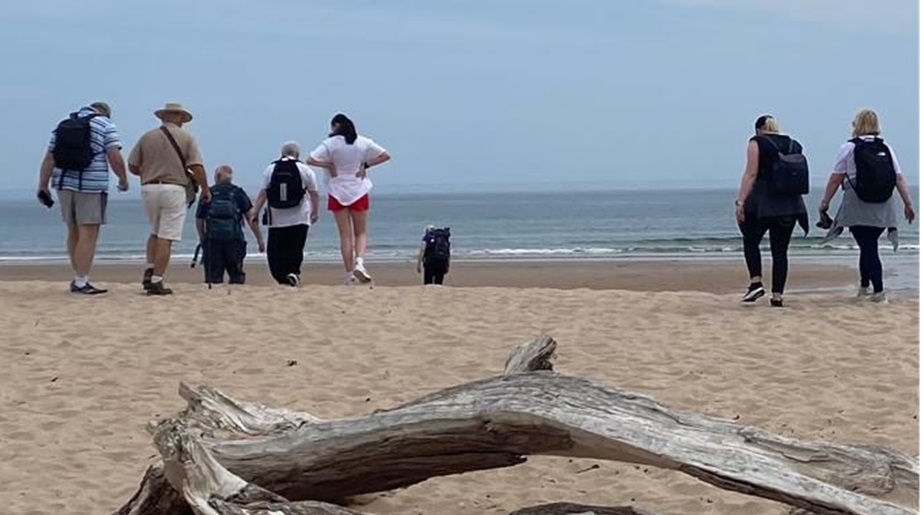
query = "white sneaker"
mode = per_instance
[
  {"x": 878, "y": 298},
  {"x": 360, "y": 273},
  {"x": 293, "y": 280},
  {"x": 350, "y": 280},
  {"x": 864, "y": 291}
]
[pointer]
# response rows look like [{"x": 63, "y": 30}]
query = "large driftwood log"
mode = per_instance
[{"x": 225, "y": 455}]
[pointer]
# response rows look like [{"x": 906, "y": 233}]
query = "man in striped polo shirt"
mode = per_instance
[{"x": 82, "y": 193}]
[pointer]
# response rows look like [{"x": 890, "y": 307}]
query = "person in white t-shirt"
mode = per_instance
[
  {"x": 290, "y": 189},
  {"x": 346, "y": 157}
]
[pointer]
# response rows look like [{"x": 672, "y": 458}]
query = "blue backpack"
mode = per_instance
[{"x": 223, "y": 216}]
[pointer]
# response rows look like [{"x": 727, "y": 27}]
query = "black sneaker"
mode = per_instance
[
  {"x": 158, "y": 288},
  {"x": 776, "y": 303},
  {"x": 146, "y": 281},
  {"x": 86, "y": 289},
  {"x": 754, "y": 292}
]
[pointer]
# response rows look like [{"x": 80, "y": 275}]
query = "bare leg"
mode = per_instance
[
  {"x": 151, "y": 248},
  {"x": 360, "y": 229},
  {"x": 347, "y": 248},
  {"x": 72, "y": 236},
  {"x": 85, "y": 249},
  {"x": 162, "y": 249}
]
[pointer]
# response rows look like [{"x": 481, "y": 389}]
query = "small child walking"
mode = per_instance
[{"x": 435, "y": 255}]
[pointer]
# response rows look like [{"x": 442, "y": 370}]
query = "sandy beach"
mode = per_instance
[
  {"x": 707, "y": 275},
  {"x": 82, "y": 376}
]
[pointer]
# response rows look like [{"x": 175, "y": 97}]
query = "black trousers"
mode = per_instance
[
  {"x": 434, "y": 272},
  {"x": 780, "y": 236},
  {"x": 285, "y": 251},
  {"x": 220, "y": 256},
  {"x": 870, "y": 270}
]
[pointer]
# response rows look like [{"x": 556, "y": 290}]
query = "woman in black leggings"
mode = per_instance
[
  {"x": 759, "y": 209},
  {"x": 868, "y": 172}
]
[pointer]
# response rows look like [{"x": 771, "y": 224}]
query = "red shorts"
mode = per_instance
[{"x": 360, "y": 205}]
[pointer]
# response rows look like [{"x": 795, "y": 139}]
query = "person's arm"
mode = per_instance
[
  {"x": 200, "y": 176},
  {"x": 384, "y": 157},
  {"x": 255, "y": 228},
  {"x": 326, "y": 165},
  {"x": 904, "y": 192},
  {"x": 45, "y": 171},
  {"x": 746, "y": 182},
  {"x": 113, "y": 145},
  {"x": 114, "y": 156},
  {"x": 315, "y": 205},
  {"x": 833, "y": 184},
  {"x": 838, "y": 177},
  {"x": 320, "y": 158},
  {"x": 258, "y": 206},
  {"x": 420, "y": 257}
]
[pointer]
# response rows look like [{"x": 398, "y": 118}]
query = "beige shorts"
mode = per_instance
[
  {"x": 166, "y": 209},
  {"x": 82, "y": 207}
]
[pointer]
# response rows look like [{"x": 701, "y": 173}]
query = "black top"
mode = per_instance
[{"x": 763, "y": 202}]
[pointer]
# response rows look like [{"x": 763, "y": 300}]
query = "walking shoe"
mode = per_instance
[
  {"x": 776, "y": 303},
  {"x": 350, "y": 280},
  {"x": 86, "y": 289},
  {"x": 754, "y": 291},
  {"x": 146, "y": 280},
  {"x": 293, "y": 280},
  {"x": 878, "y": 298},
  {"x": 361, "y": 273},
  {"x": 863, "y": 292},
  {"x": 158, "y": 288}
]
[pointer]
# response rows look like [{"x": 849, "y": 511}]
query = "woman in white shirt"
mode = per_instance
[
  {"x": 346, "y": 157},
  {"x": 868, "y": 172}
]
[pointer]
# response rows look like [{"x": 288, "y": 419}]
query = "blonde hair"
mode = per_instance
[
  {"x": 866, "y": 124},
  {"x": 771, "y": 125}
]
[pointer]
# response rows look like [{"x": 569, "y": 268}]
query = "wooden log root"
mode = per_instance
[{"x": 225, "y": 457}]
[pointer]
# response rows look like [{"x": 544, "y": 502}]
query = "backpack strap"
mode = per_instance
[{"x": 175, "y": 146}]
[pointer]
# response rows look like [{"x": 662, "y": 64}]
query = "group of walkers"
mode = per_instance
[
  {"x": 169, "y": 164},
  {"x": 776, "y": 178},
  {"x": 167, "y": 160}
]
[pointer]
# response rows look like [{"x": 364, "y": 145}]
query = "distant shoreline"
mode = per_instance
[{"x": 724, "y": 275}]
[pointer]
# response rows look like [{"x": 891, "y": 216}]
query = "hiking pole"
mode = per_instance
[{"x": 195, "y": 255}]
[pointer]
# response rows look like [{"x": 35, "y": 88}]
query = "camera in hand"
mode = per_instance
[{"x": 45, "y": 198}]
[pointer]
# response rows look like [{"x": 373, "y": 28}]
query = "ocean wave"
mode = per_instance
[{"x": 713, "y": 247}]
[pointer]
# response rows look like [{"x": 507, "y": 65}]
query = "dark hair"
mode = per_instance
[{"x": 343, "y": 126}]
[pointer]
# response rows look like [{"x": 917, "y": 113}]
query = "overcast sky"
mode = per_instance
[{"x": 471, "y": 94}]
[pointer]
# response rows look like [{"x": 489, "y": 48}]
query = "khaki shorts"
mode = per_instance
[
  {"x": 166, "y": 209},
  {"x": 83, "y": 207}
]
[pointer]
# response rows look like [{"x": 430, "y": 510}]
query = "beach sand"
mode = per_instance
[
  {"x": 82, "y": 376},
  {"x": 707, "y": 275}
]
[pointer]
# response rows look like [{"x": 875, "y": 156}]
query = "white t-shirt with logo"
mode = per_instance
[
  {"x": 846, "y": 161},
  {"x": 346, "y": 187},
  {"x": 298, "y": 215}
]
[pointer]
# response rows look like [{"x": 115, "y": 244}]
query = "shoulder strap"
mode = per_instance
[
  {"x": 771, "y": 142},
  {"x": 175, "y": 145},
  {"x": 791, "y": 145}
]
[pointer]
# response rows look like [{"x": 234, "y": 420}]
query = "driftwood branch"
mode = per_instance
[{"x": 226, "y": 456}]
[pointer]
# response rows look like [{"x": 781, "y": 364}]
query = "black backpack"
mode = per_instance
[
  {"x": 73, "y": 149},
  {"x": 223, "y": 216},
  {"x": 876, "y": 177},
  {"x": 286, "y": 189},
  {"x": 438, "y": 247},
  {"x": 789, "y": 174}
]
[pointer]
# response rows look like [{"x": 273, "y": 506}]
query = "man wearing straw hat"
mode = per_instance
[{"x": 168, "y": 161}]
